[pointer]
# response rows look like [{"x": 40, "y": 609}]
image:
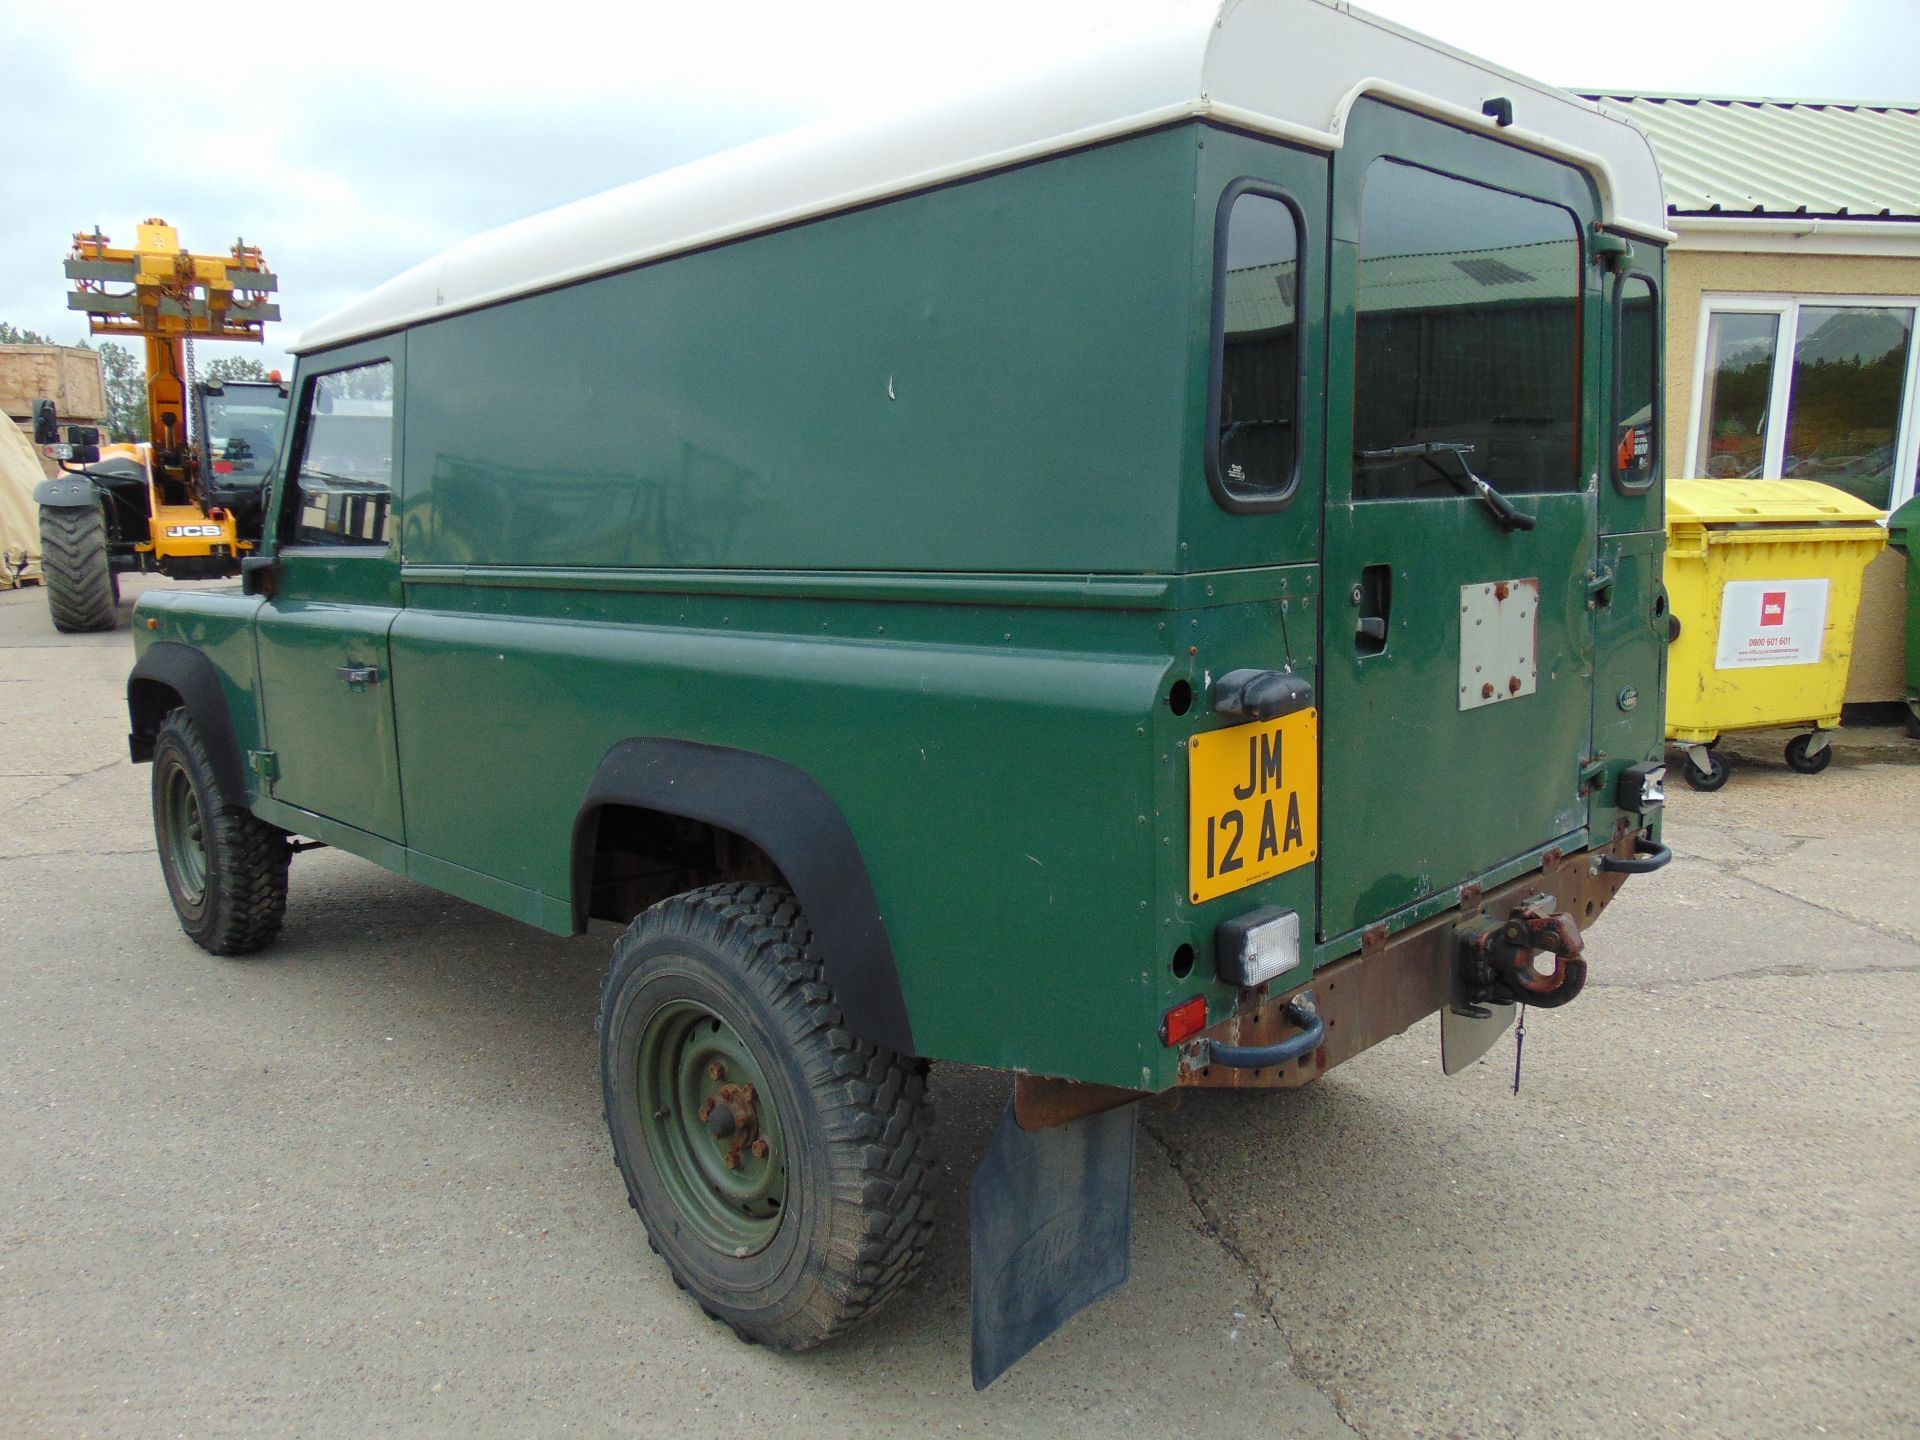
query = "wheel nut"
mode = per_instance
[
  {"x": 716, "y": 1071},
  {"x": 706, "y": 1107},
  {"x": 731, "y": 1160},
  {"x": 761, "y": 1149}
]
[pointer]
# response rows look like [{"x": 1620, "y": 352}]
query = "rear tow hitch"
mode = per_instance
[{"x": 1499, "y": 959}]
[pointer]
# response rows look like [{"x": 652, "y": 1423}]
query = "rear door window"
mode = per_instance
[
  {"x": 1636, "y": 383},
  {"x": 1254, "y": 440},
  {"x": 1467, "y": 344}
]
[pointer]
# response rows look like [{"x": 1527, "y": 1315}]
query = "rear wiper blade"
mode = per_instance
[{"x": 1464, "y": 480}]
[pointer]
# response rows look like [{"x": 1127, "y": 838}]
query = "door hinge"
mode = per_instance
[
  {"x": 1592, "y": 768},
  {"x": 1599, "y": 587},
  {"x": 265, "y": 764}
]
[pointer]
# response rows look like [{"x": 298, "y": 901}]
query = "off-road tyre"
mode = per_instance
[
  {"x": 81, "y": 590},
  {"x": 1718, "y": 773},
  {"x": 231, "y": 896},
  {"x": 854, "y": 1121},
  {"x": 1800, "y": 761}
]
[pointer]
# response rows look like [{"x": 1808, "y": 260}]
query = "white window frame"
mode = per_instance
[{"x": 1788, "y": 307}]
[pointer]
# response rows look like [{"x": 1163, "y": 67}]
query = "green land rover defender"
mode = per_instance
[{"x": 1145, "y": 574}]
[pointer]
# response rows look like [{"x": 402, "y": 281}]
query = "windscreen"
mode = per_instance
[{"x": 243, "y": 428}]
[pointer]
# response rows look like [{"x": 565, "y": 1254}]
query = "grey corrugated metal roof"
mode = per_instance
[{"x": 1724, "y": 155}]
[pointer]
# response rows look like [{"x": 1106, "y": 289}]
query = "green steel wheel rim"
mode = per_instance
[
  {"x": 692, "y": 1065},
  {"x": 184, "y": 828}
]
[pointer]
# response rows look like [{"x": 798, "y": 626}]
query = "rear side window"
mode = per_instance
[
  {"x": 1254, "y": 404},
  {"x": 342, "y": 487},
  {"x": 1467, "y": 343},
  {"x": 1636, "y": 386}
]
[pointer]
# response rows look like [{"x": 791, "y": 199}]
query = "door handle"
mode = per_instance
[
  {"x": 1373, "y": 598},
  {"x": 358, "y": 677}
]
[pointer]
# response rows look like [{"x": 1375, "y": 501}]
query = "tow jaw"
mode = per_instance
[{"x": 1499, "y": 960}]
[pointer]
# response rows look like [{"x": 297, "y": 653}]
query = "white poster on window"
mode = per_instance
[{"x": 1771, "y": 622}]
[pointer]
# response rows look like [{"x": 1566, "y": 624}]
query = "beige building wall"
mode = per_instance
[{"x": 1880, "y": 640}]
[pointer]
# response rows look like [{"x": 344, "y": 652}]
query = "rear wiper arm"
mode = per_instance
[{"x": 1464, "y": 480}]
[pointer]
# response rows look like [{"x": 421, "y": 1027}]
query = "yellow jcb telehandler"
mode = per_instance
[{"x": 187, "y": 501}]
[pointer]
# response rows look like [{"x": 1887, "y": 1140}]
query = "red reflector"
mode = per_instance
[
  {"x": 223, "y": 467},
  {"x": 1184, "y": 1021}
]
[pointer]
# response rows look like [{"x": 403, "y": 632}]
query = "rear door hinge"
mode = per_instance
[
  {"x": 265, "y": 764},
  {"x": 1592, "y": 768}
]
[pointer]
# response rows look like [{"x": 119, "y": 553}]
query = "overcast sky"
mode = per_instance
[{"x": 351, "y": 140}]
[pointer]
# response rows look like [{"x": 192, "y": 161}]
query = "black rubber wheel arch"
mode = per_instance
[{"x": 859, "y": 1200}]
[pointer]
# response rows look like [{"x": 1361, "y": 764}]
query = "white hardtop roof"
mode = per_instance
[{"x": 1288, "y": 68}]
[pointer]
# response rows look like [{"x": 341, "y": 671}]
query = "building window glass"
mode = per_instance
[
  {"x": 1843, "y": 410},
  {"x": 1740, "y": 351},
  {"x": 1814, "y": 389}
]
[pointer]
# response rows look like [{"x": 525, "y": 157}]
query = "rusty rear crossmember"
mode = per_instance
[
  {"x": 1396, "y": 981},
  {"x": 1393, "y": 983}
]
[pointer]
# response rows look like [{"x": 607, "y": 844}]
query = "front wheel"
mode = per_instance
[
  {"x": 81, "y": 588},
  {"x": 779, "y": 1165},
  {"x": 225, "y": 868},
  {"x": 1799, "y": 759}
]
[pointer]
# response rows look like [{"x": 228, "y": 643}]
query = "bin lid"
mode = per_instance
[
  {"x": 1763, "y": 502},
  {"x": 1903, "y": 529}
]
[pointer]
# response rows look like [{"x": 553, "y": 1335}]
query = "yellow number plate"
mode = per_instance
[{"x": 1253, "y": 803}]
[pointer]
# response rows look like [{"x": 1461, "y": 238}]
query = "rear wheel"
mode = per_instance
[
  {"x": 225, "y": 868},
  {"x": 778, "y": 1163},
  {"x": 81, "y": 589},
  {"x": 1717, "y": 774},
  {"x": 1808, "y": 764}
]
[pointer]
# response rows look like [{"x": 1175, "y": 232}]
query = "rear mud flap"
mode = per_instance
[
  {"x": 1052, "y": 1216},
  {"x": 1465, "y": 1037}
]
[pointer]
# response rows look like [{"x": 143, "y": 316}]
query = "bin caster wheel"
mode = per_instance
[
  {"x": 1807, "y": 764},
  {"x": 1717, "y": 774}
]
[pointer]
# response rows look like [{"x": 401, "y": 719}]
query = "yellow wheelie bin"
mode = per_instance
[{"x": 1763, "y": 579}]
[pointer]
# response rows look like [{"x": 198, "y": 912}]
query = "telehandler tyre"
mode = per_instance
[
  {"x": 225, "y": 868},
  {"x": 779, "y": 1165},
  {"x": 81, "y": 591}
]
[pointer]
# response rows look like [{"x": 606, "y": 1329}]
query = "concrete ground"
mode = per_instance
[{"x": 359, "y": 1184}]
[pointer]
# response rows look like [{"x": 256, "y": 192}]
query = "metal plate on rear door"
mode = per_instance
[{"x": 1499, "y": 637}]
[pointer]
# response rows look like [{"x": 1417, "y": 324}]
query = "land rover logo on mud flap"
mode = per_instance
[{"x": 189, "y": 532}]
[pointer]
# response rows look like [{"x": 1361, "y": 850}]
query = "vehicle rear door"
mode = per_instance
[
  {"x": 1460, "y": 524},
  {"x": 325, "y": 673}
]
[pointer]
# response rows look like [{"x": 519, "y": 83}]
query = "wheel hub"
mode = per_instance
[{"x": 713, "y": 1135}]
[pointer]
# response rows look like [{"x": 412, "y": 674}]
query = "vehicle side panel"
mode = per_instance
[
  {"x": 992, "y": 763},
  {"x": 987, "y": 376}
]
